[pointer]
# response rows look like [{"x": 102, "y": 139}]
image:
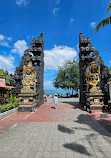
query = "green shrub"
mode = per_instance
[{"x": 9, "y": 106}]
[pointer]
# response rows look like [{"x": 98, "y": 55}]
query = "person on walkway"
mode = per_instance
[
  {"x": 45, "y": 98},
  {"x": 55, "y": 100}
]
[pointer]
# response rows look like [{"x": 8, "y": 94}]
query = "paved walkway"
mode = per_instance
[{"x": 66, "y": 132}]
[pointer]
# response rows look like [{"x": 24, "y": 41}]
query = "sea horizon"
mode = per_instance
[{"x": 59, "y": 91}]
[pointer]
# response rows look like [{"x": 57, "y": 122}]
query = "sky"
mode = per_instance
[{"x": 61, "y": 21}]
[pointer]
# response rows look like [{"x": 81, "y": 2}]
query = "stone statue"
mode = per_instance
[{"x": 28, "y": 93}]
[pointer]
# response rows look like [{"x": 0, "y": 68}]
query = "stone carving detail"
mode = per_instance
[
  {"x": 88, "y": 56},
  {"x": 94, "y": 95},
  {"x": 93, "y": 78},
  {"x": 28, "y": 92},
  {"x": 29, "y": 79}
]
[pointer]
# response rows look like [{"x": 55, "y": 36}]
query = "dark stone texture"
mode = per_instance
[
  {"x": 85, "y": 58},
  {"x": 34, "y": 54}
]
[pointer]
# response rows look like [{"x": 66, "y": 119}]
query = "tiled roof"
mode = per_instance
[{"x": 4, "y": 86}]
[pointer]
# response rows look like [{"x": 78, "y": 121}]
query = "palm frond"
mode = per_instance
[
  {"x": 103, "y": 23},
  {"x": 109, "y": 8}
]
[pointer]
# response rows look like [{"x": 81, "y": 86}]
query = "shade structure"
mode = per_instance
[{"x": 2, "y": 85}]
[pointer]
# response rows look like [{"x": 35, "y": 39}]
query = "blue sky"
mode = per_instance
[{"x": 60, "y": 21}]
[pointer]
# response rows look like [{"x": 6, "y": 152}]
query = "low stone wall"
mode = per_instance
[{"x": 8, "y": 113}]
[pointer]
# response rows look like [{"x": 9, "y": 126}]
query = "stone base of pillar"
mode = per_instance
[
  {"x": 27, "y": 108},
  {"x": 96, "y": 107}
]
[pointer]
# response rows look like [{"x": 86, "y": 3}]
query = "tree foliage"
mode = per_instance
[
  {"x": 109, "y": 7},
  {"x": 110, "y": 70},
  {"x": 68, "y": 76},
  {"x": 3, "y": 73},
  {"x": 8, "y": 77},
  {"x": 105, "y": 21}
]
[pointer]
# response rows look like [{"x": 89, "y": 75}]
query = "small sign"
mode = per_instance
[
  {"x": 26, "y": 100},
  {"x": 96, "y": 100},
  {"x": 88, "y": 99}
]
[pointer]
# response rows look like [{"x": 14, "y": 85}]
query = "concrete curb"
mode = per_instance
[{"x": 8, "y": 113}]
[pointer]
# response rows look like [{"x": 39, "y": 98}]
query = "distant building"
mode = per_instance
[{"x": 4, "y": 91}]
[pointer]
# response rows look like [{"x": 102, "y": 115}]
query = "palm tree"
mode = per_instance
[{"x": 105, "y": 21}]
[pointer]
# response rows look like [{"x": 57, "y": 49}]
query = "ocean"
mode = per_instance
[{"x": 60, "y": 92}]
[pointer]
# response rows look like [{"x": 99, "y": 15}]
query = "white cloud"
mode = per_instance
[
  {"x": 4, "y": 43},
  {"x": 48, "y": 74},
  {"x": 7, "y": 63},
  {"x": 19, "y": 47},
  {"x": 57, "y": 56},
  {"x": 9, "y": 38},
  {"x": 57, "y": 1},
  {"x": 93, "y": 24},
  {"x": 55, "y": 10},
  {"x": 72, "y": 20},
  {"x": 1, "y": 37},
  {"x": 4, "y": 40},
  {"x": 22, "y": 2},
  {"x": 48, "y": 85}
]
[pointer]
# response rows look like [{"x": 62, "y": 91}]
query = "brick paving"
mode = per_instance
[{"x": 65, "y": 132}]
